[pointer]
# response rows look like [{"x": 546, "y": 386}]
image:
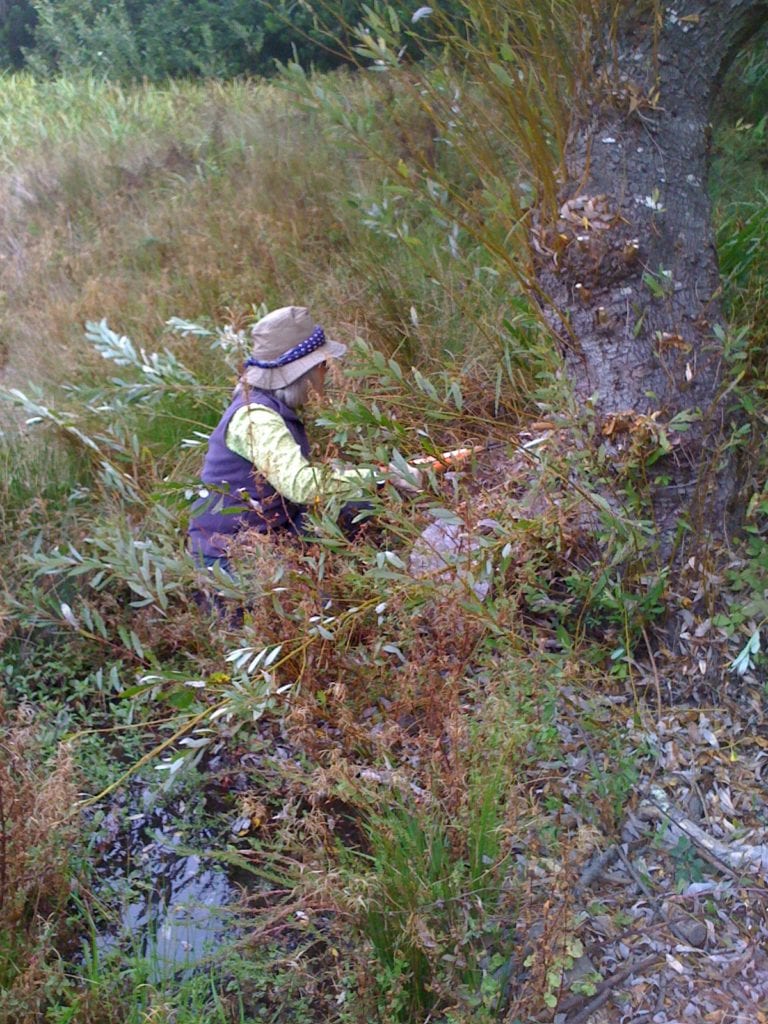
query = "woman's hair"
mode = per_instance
[{"x": 294, "y": 395}]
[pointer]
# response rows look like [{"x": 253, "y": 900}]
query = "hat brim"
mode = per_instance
[{"x": 282, "y": 376}]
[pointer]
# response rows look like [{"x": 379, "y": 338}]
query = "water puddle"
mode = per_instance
[{"x": 163, "y": 900}]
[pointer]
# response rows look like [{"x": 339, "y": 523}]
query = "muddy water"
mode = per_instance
[{"x": 164, "y": 899}]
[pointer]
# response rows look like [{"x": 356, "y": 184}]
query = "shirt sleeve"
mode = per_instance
[{"x": 260, "y": 435}]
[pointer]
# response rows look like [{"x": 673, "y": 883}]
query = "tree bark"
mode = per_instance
[{"x": 629, "y": 271}]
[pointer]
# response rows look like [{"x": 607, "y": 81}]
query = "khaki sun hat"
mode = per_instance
[{"x": 286, "y": 343}]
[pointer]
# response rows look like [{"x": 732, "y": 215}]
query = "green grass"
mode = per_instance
[{"x": 65, "y": 114}]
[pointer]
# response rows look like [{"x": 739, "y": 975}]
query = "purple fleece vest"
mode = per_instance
[{"x": 240, "y": 497}]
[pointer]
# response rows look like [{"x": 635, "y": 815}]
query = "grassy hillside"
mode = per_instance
[{"x": 416, "y": 773}]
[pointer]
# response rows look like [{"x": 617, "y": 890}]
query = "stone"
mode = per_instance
[{"x": 445, "y": 550}]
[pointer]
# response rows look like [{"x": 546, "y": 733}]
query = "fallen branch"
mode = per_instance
[
  {"x": 656, "y": 904},
  {"x": 729, "y": 856},
  {"x": 604, "y": 989}
]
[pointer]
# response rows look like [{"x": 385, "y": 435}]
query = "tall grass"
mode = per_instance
[
  {"x": 145, "y": 207},
  {"x": 36, "y": 848},
  {"x": 206, "y": 202},
  {"x": 87, "y": 111},
  {"x": 438, "y": 909}
]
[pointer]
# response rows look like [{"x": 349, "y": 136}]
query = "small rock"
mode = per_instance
[
  {"x": 446, "y": 549},
  {"x": 692, "y": 931},
  {"x": 603, "y": 925},
  {"x": 582, "y": 968},
  {"x": 694, "y": 807}
]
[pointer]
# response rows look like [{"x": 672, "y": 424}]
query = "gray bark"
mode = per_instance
[{"x": 629, "y": 271}]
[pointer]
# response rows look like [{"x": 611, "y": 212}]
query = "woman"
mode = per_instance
[{"x": 257, "y": 474}]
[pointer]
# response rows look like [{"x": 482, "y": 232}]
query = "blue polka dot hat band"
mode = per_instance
[{"x": 314, "y": 341}]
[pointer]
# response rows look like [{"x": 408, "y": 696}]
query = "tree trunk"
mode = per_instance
[{"x": 629, "y": 271}]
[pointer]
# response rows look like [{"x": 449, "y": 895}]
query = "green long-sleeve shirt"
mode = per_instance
[{"x": 260, "y": 435}]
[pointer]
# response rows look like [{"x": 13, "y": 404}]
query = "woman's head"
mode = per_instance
[
  {"x": 297, "y": 392},
  {"x": 287, "y": 344}
]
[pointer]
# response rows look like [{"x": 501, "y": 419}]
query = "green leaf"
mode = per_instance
[
  {"x": 501, "y": 74},
  {"x": 181, "y": 699}
]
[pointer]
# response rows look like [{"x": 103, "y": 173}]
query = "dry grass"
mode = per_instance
[
  {"x": 244, "y": 201},
  {"x": 37, "y": 838},
  {"x": 151, "y": 227}
]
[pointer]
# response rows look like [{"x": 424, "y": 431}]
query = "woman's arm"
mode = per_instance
[{"x": 260, "y": 435}]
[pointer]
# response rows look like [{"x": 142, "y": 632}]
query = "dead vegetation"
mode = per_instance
[{"x": 37, "y": 833}]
